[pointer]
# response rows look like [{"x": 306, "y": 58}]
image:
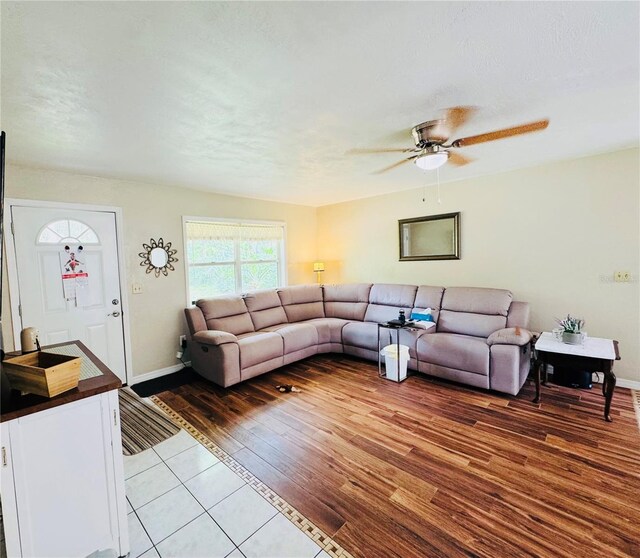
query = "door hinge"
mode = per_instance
[
  {"x": 4, "y": 456},
  {"x": 20, "y": 310},
  {"x": 115, "y": 420},
  {"x": 13, "y": 232}
]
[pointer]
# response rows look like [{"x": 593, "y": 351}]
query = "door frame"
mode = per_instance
[{"x": 12, "y": 267}]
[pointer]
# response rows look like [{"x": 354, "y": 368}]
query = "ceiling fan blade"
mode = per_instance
[
  {"x": 457, "y": 116},
  {"x": 402, "y": 162},
  {"x": 500, "y": 134},
  {"x": 458, "y": 160},
  {"x": 358, "y": 151}
]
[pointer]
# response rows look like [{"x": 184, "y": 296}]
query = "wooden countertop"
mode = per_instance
[{"x": 17, "y": 405}]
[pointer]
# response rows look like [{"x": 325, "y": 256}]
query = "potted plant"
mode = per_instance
[{"x": 571, "y": 330}]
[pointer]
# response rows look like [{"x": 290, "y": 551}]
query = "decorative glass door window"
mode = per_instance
[
  {"x": 227, "y": 257},
  {"x": 67, "y": 230}
]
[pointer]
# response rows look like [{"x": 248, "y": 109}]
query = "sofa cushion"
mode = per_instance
[
  {"x": 461, "y": 352},
  {"x": 302, "y": 302},
  {"x": 465, "y": 323},
  {"x": 365, "y": 336},
  {"x": 265, "y": 308},
  {"x": 361, "y": 334},
  {"x": 429, "y": 297},
  {"x": 195, "y": 319},
  {"x": 494, "y": 302},
  {"x": 213, "y": 337},
  {"x": 329, "y": 329},
  {"x": 258, "y": 347},
  {"x": 348, "y": 302},
  {"x": 386, "y": 301},
  {"x": 226, "y": 313},
  {"x": 296, "y": 336},
  {"x": 510, "y": 336}
]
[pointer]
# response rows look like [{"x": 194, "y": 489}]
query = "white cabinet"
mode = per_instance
[{"x": 62, "y": 481}]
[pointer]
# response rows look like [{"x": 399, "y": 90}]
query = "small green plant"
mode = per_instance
[{"x": 571, "y": 325}]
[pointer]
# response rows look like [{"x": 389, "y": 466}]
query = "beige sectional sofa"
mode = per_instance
[{"x": 480, "y": 338}]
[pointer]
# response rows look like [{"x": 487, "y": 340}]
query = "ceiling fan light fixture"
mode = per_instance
[{"x": 432, "y": 161}]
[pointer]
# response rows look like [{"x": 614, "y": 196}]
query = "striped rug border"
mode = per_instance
[
  {"x": 141, "y": 423},
  {"x": 331, "y": 547}
]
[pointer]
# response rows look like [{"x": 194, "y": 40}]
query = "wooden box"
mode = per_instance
[{"x": 46, "y": 374}]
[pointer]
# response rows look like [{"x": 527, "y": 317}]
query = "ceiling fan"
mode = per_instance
[{"x": 432, "y": 150}]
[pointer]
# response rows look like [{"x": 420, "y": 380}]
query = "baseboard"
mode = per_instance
[
  {"x": 620, "y": 382},
  {"x": 157, "y": 373}
]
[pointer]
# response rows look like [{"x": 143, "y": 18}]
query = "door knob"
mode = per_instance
[
  {"x": 114, "y": 314},
  {"x": 115, "y": 301}
]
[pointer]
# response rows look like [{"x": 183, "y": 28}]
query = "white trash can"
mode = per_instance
[{"x": 390, "y": 354}]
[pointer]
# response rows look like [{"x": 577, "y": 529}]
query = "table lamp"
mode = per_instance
[{"x": 318, "y": 268}]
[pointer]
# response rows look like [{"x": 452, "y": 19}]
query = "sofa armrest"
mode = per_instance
[
  {"x": 214, "y": 337},
  {"x": 510, "y": 336}
]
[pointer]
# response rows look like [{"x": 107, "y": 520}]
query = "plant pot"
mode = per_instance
[{"x": 571, "y": 338}]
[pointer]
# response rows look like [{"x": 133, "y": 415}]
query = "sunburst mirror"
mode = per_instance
[{"x": 158, "y": 257}]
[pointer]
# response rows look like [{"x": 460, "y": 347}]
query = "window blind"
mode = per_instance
[{"x": 209, "y": 230}]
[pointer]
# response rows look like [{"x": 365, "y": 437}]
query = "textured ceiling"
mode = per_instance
[{"x": 263, "y": 99}]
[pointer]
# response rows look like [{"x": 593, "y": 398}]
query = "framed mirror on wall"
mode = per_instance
[
  {"x": 433, "y": 237},
  {"x": 158, "y": 257}
]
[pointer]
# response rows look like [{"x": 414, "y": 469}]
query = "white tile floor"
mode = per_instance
[{"x": 184, "y": 503}]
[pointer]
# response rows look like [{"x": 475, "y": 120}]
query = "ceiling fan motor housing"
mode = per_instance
[{"x": 429, "y": 133}]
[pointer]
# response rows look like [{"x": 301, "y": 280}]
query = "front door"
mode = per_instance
[{"x": 69, "y": 278}]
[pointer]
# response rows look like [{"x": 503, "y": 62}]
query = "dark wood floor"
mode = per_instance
[{"x": 427, "y": 468}]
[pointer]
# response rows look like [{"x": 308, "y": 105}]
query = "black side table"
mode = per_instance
[{"x": 595, "y": 355}]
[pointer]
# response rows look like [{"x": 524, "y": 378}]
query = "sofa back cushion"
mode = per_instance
[
  {"x": 302, "y": 302},
  {"x": 474, "y": 311},
  {"x": 385, "y": 301},
  {"x": 226, "y": 313},
  {"x": 265, "y": 308},
  {"x": 518, "y": 314},
  {"x": 493, "y": 302},
  {"x": 195, "y": 319},
  {"x": 429, "y": 297},
  {"x": 348, "y": 302}
]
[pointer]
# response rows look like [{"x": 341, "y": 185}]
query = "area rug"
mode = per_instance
[
  {"x": 141, "y": 424},
  {"x": 331, "y": 547}
]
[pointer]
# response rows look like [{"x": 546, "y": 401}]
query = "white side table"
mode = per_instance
[{"x": 594, "y": 355}]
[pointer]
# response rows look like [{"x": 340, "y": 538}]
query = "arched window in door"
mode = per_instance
[{"x": 66, "y": 231}]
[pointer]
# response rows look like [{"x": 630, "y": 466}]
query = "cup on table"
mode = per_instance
[{"x": 557, "y": 333}]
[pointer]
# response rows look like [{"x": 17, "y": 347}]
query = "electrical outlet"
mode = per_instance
[
  {"x": 137, "y": 288},
  {"x": 182, "y": 341},
  {"x": 179, "y": 354},
  {"x": 621, "y": 276}
]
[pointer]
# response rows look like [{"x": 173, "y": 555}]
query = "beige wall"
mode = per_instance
[
  {"x": 156, "y": 316},
  {"x": 516, "y": 233},
  {"x": 553, "y": 235}
]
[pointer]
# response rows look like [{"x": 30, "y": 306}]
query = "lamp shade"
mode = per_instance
[
  {"x": 432, "y": 161},
  {"x": 318, "y": 266}
]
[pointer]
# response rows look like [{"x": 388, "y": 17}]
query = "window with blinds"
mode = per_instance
[{"x": 227, "y": 257}]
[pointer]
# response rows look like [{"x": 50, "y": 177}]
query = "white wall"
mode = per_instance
[
  {"x": 553, "y": 235},
  {"x": 151, "y": 211}
]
